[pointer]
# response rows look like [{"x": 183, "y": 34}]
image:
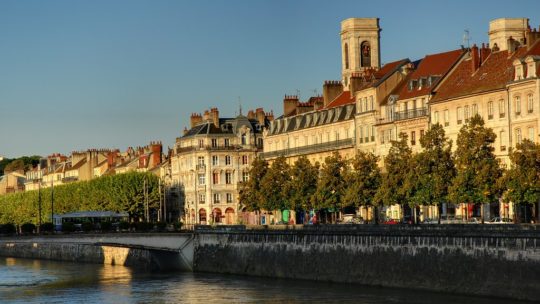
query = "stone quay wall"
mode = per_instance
[{"x": 493, "y": 260}]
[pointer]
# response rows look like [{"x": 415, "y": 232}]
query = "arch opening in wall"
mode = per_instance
[
  {"x": 365, "y": 54},
  {"x": 229, "y": 216},
  {"x": 346, "y": 55},
  {"x": 202, "y": 216},
  {"x": 216, "y": 215}
]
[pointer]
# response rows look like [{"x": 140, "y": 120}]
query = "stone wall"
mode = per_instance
[{"x": 482, "y": 260}]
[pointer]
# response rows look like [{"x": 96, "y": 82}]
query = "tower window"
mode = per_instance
[
  {"x": 365, "y": 54},
  {"x": 346, "y": 55}
]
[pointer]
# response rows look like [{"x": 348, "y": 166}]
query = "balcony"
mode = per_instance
[
  {"x": 180, "y": 150},
  {"x": 316, "y": 148},
  {"x": 70, "y": 179},
  {"x": 403, "y": 115}
]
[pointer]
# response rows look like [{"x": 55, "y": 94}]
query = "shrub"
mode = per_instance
[
  {"x": 105, "y": 226},
  {"x": 161, "y": 226},
  {"x": 123, "y": 225},
  {"x": 87, "y": 227},
  {"x": 8, "y": 229},
  {"x": 46, "y": 227},
  {"x": 68, "y": 227},
  {"x": 28, "y": 228}
]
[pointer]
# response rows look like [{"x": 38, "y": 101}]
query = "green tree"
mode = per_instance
[
  {"x": 362, "y": 182},
  {"x": 303, "y": 184},
  {"x": 397, "y": 165},
  {"x": 251, "y": 196},
  {"x": 433, "y": 171},
  {"x": 274, "y": 185},
  {"x": 477, "y": 167},
  {"x": 331, "y": 184},
  {"x": 522, "y": 180}
]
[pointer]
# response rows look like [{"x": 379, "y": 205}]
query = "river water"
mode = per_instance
[{"x": 39, "y": 281}]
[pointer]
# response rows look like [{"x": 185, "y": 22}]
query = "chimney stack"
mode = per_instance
[
  {"x": 260, "y": 115},
  {"x": 214, "y": 117},
  {"x": 156, "y": 149},
  {"x": 484, "y": 53},
  {"x": 475, "y": 58},
  {"x": 196, "y": 119},
  {"x": 356, "y": 82},
  {"x": 512, "y": 45},
  {"x": 331, "y": 90},
  {"x": 289, "y": 104}
]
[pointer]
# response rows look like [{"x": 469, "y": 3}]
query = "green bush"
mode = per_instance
[
  {"x": 8, "y": 229},
  {"x": 105, "y": 226},
  {"x": 68, "y": 227},
  {"x": 28, "y": 228},
  {"x": 87, "y": 227},
  {"x": 123, "y": 225},
  {"x": 143, "y": 226},
  {"x": 161, "y": 226},
  {"x": 46, "y": 227}
]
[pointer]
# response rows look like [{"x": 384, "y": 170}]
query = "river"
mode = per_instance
[{"x": 39, "y": 281}]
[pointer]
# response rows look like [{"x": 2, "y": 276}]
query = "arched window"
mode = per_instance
[
  {"x": 365, "y": 54},
  {"x": 346, "y": 55},
  {"x": 244, "y": 139}
]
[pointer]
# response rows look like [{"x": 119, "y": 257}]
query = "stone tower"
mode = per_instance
[
  {"x": 360, "y": 47},
  {"x": 500, "y": 31}
]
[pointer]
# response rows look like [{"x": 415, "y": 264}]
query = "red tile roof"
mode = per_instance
[
  {"x": 342, "y": 99},
  {"x": 494, "y": 73},
  {"x": 432, "y": 65}
]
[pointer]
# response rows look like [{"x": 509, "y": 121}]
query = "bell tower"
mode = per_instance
[{"x": 360, "y": 47}]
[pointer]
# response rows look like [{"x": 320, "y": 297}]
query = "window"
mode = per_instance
[
  {"x": 201, "y": 179},
  {"x": 244, "y": 142},
  {"x": 217, "y": 198},
  {"x": 518, "y": 136},
  {"x": 413, "y": 138},
  {"x": 530, "y": 103},
  {"x": 365, "y": 104},
  {"x": 446, "y": 118},
  {"x": 423, "y": 103},
  {"x": 228, "y": 178},
  {"x": 245, "y": 160},
  {"x": 214, "y": 143},
  {"x": 459, "y": 115},
  {"x": 201, "y": 198},
  {"x": 501, "y": 141},
  {"x": 346, "y": 55},
  {"x": 366, "y": 133},
  {"x": 227, "y": 142},
  {"x": 436, "y": 117},
  {"x": 502, "y": 108},
  {"x": 245, "y": 176},
  {"x": 421, "y": 134},
  {"x": 200, "y": 163},
  {"x": 201, "y": 143},
  {"x": 215, "y": 178},
  {"x": 361, "y": 135},
  {"x": 227, "y": 160},
  {"x": 229, "y": 198},
  {"x": 531, "y": 134},
  {"x": 517, "y": 103},
  {"x": 371, "y": 106},
  {"x": 372, "y": 133},
  {"x": 474, "y": 109},
  {"x": 215, "y": 160},
  {"x": 490, "y": 110},
  {"x": 467, "y": 113}
]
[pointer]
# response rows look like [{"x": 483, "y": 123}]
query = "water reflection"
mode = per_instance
[{"x": 33, "y": 281}]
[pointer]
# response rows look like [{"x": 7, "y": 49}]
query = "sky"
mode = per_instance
[{"x": 77, "y": 74}]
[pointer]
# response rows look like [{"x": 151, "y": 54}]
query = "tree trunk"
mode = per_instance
[
  {"x": 439, "y": 208},
  {"x": 482, "y": 212},
  {"x": 376, "y": 215}
]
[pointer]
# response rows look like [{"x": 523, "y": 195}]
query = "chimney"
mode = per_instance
[
  {"x": 195, "y": 119},
  {"x": 319, "y": 103},
  {"x": 532, "y": 37},
  {"x": 206, "y": 116},
  {"x": 185, "y": 130},
  {"x": 289, "y": 104},
  {"x": 331, "y": 90},
  {"x": 484, "y": 53},
  {"x": 214, "y": 116},
  {"x": 475, "y": 60},
  {"x": 270, "y": 115},
  {"x": 156, "y": 149},
  {"x": 260, "y": 115},
  {"x": 512, "y": 45},
  {"x": 251, "y": 114},
  {"x": 356, "y": 82}
]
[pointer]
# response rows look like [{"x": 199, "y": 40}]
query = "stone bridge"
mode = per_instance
[{"x": 151, "y": 251}]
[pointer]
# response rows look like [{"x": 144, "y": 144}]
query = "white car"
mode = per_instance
[{"x": 499, "y": 220}]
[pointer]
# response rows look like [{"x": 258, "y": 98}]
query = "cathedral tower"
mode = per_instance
[{"x": 360, "y": 46}]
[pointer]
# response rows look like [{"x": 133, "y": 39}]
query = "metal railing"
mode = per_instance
[
  {"x": 402, "y": 115},
  {"x": 322, "y": 147}
]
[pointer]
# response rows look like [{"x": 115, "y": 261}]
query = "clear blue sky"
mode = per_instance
[{"x": 112, "y": 74}]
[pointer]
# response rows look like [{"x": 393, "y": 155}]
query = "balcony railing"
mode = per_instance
[
  {"x": 322, "y": 147},
  {"x": 215, "y": 148},
  {"x": 402, "y": 115}
]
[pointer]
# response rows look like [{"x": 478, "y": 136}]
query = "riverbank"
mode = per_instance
[{"x": 500, "y": 261}]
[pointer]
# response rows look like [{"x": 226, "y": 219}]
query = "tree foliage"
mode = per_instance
[
  {"x": 363, "y": 180},
  {"x": 331, "y": 183},
  {"x": 477, "y": 168},
  {"x": 18, "y": 164},
  {"x": 522, "y": 180},
  {"x": 302, "y": 185},
  {"x": 251, "y": 195},
  {"x": 274, "y": 185},
  {"x": 119, "y": 193}
]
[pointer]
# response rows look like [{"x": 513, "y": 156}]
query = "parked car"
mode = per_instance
[
  {"x": 499, "y": 220},
  {"x": 352, "y": 219},
  {"x": 474, "y": 220},
  {"x": 429, "y": 221},
  {"x": 391, "y": 222}
]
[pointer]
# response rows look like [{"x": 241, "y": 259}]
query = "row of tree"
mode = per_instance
[
  {"x": 18, "y": 164},
  {"x": 119, "y": 193},
  {"x": 471, "y": 175}
]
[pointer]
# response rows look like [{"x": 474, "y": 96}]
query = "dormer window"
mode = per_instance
[
  {"x": 518, "y": 70},
  {"x": 412, "y": 84},
  {"x": 532, "y": 63}
]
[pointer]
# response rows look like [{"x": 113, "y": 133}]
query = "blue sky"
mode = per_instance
[{"x": 111, "y": 74}]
